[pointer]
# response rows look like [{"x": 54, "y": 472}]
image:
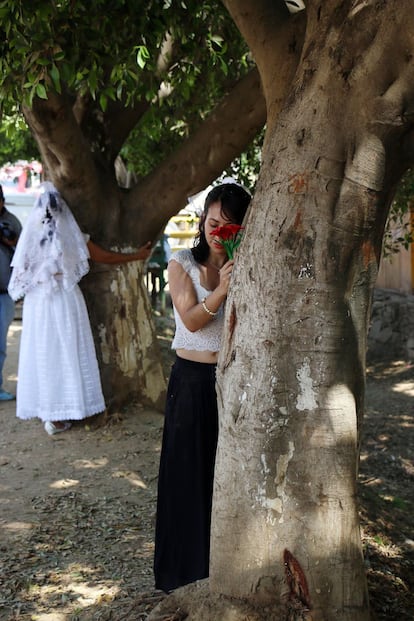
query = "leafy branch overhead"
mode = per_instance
[{"x": 155, "y": 53}]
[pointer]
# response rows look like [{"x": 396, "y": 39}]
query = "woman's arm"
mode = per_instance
[
  {"x": 184, "y": 298},
  {"x": 100, "y": 255}
]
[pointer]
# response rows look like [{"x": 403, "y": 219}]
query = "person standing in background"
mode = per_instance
[{"x": 10, "y": 229}]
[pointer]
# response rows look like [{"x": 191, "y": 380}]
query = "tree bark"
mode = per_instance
[
  {"x": 291, "y": 374},
  {"x": 290, "y": 393},
  {"x": 121, "y": 318},
  {"x": 292, "y": 370}
]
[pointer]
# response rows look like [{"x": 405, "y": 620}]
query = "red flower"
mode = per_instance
[
  {"x": 227, "y": 231},
  {"x": 229, "y": 235}
]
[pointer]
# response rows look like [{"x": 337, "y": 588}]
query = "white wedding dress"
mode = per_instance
[{"x": 58, "y": 374}]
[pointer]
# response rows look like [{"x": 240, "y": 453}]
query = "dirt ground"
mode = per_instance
[{"x": 77, "y": 509}]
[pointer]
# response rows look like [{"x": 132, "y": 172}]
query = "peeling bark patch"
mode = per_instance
[
  {"x": 298, "y": 220},
  {"x": 299, "y": 598},
  {"x": 281, "y": 468},
  {"x": 274, "y": 504},
  {"x": 104, "y": 346},
  {"x": 271, "y": 504},
  {"x": 232, "y": 321},
  {"x": 230, "y": 354},
  {"x": 367, "y": 166},
  {"x": 307, "y": 397},
  {"x": 368, "y": 254}
]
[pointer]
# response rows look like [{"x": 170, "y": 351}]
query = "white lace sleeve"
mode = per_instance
[{"x": 185, "y": 258}]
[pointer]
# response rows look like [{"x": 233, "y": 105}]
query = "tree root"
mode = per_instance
[{"x": 195, "y": 602}]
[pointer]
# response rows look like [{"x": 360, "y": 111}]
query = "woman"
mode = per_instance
[
  {"x": 198, "y": 281},
  {"x": 58, "y": 376}
]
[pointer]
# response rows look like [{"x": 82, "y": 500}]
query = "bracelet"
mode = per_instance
[{"x": 203, "y": 304}]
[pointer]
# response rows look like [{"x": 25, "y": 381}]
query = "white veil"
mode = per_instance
[{"x": 50, "y": 247}]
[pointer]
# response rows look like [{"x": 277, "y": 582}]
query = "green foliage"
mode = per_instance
[
  {"x": 16, "y": 141},
  {"x": 395, "y": 501},
  {"x": 380, "y": 541},
  {"x": 246, "y": 167},
  {"x": 179, "y": 56},
  {"x": 110, "y": 50},
  {"x": 47, "y": 44},
  {"x": 398, "y": 232}
]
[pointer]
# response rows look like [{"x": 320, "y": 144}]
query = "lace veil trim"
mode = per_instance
[{"x": 51, "y": 250}]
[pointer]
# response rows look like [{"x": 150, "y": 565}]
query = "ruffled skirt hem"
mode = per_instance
[{"x": 64, "y": 414}]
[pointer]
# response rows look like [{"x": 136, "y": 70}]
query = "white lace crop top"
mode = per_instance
[{"x": 209, "y": 337}]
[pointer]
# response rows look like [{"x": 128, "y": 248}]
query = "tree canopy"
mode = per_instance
[
  {"x": 173, "y": 59},
  {"x": 115, "y": 51}
]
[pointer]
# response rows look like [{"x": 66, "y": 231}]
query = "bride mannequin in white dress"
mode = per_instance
[{"x": 58, "y": 375}]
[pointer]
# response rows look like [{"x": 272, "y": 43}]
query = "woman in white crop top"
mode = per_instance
[{"x": 198, "y": 281}]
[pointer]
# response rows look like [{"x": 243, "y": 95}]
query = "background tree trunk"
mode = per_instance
[{"x": 124, "y": 333}]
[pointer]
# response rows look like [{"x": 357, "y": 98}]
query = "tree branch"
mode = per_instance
[
  {"x": 275, "y": 39},
  {"x": 66, "y": 154},
  {"x": 199, "y": 160},
  {"x": 119, "y": 119}
]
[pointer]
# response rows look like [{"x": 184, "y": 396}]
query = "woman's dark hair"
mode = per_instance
[{"x": 234, "y": 202}]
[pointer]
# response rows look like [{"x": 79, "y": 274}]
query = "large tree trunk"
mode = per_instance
[
  {"x": 291, "y": 373},
  {"x": 285, "y": 528},
  {"x": 291, "y": 389}
]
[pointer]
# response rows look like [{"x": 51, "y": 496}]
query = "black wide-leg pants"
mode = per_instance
[{"x": 185, "y": 484}]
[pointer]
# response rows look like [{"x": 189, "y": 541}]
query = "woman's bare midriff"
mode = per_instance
[{"x": 209, "y": 357}]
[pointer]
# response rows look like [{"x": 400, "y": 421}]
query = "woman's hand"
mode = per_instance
[{"x": 225, "y": 277}]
